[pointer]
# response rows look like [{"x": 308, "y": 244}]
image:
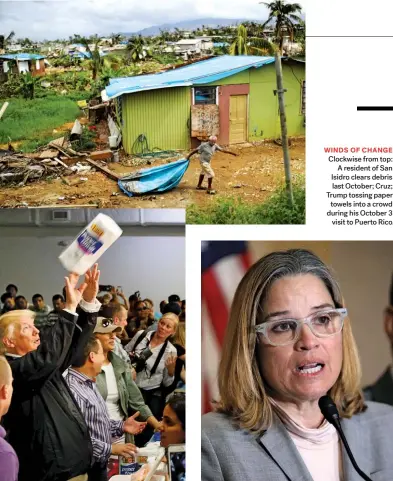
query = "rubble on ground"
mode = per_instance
[
  {"x": 18, "y": 168},
  {"x": 55, "y": 160}
]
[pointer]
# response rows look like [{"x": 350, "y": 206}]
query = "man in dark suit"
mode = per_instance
[
  {"x": 44, "y": 424},
  {"x": 382, "y": 390}
]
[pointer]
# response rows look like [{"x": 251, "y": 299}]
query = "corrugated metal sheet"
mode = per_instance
[
  {"x": 163, "y": 116},
  {"x": 22, "y": 56},
  {"x": 198, "y": 73}
]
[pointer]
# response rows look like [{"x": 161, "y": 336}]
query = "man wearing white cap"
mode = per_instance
[{"x": 206, "y": 151}]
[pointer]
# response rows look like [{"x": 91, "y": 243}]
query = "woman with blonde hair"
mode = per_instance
[
  {"x": 179, "y": 341},
  {"x": 288, "y": 343},
  {"x": 154, "y": 358}
]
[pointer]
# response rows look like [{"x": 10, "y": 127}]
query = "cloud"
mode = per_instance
[{"x": 62, "y": 18}]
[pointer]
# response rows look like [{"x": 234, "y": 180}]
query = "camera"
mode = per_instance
[
  {"x": 105, "y": 288},
  {"x": 139, "y": 360}
]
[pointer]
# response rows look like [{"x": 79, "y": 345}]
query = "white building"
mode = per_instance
[{"x": 194, "y": 45}]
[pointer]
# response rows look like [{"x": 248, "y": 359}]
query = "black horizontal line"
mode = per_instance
[
  {"x": 368, "y": 107},
  {"x": 349, "y": 36}
]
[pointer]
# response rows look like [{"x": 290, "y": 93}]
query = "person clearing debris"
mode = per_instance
[{"x": 206, "y": 151}]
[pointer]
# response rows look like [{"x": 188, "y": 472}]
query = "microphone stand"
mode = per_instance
[
  {"x": 330, "y": 413},
  {"x": 363, "y": 475}
]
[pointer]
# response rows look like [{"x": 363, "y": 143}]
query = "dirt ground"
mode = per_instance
[{"x": 253, "y": 175}]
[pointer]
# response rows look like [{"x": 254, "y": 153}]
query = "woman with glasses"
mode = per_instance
[
  {"x": 288, "y": 343},
  {"x": 141, "y": 319}
]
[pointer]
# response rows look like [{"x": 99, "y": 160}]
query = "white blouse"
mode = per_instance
[
  {"x": 143, "y": 378},
  {"x": 319, "y": 448},
  {"x": 112, "y": 400}
]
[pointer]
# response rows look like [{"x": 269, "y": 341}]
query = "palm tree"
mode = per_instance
[
  {"x": 300, "y": 37},
  {"x": 285, "y": 19},
  {"x": 26, "y": 42},
  {"x": 28, "y": 84},
  {"x": 244, "y": 45},
  {"x": 164, "y": 36},
  {"x": 116, "y": 38},
  {"x": 113, "y": 62},
  {"x": 95, "y": 57},
  {"x": 177, "y": 34},
  {"x": 138, "y": 48},
  {"x": 4, "y": 41}
]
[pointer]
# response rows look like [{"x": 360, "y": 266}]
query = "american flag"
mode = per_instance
[{"x": 224, "y": 263}]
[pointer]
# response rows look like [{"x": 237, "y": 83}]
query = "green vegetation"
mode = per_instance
[
  {"x": 96, "y": 61},
  {"x": 243, "y": 44},
  {"x": 285, "y": 18},
  {"x": 33, "y": 121},
  {"x": 275, "y": 210},
  {"x": 139, "y": 48}
]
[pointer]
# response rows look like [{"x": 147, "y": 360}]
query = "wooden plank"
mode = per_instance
[
  {"x": 106, "y": 171},
  {"x": 74, "y": 152},
  {"x": 58, "y": 142},
  {"x": 205, "y": 120},
  {"x": 60, "y": 149},
  {"x": 62, "y": 163},
  {"x": 49, "y": 154}
]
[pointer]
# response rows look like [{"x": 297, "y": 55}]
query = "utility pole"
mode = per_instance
[{"x": 284, "y": 133}]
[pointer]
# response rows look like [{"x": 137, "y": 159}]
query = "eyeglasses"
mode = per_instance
[
  {"x": 107, "y": 322},
  {"x": 324, "y": 323},
  {"x": 142, "y": 308}
]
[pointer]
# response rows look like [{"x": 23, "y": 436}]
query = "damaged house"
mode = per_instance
[
  {"x": 232, "y": 97},
  {"x": 18, "y": 63}
]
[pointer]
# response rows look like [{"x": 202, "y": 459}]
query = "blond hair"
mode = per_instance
[
  {"x": 180, "y": 335},
  {"x": 5, "y": 372},
  {"x": 173, "y": 317},
  {"x": 8, "y": 321},
  {"x": 243, "y": 394}
]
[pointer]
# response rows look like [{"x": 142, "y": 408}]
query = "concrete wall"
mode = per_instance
[{"x": 364, "y": 271}]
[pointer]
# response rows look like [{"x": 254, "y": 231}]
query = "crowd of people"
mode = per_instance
[{"x": 94, "y": 378}]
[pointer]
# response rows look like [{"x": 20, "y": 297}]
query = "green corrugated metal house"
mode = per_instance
[{"x": 228, "y": 96}]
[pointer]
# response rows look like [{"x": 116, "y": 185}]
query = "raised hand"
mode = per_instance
[
  {"x": 92, "y": 279},
  {"x": 132, "y": 426},
  {"x": 170, "y": 364},
  {"x": 73, "y": 293}
]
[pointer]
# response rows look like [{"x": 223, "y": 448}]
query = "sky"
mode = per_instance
[{"x": 54, "y": 19}]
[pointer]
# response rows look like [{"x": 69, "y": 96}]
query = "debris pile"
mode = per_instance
[
  {"x": 55, "y": 160},
  {"x": 18, "y": 168}
]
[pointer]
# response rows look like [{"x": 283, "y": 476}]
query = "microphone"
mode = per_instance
[{"x": 330, "y": 412}]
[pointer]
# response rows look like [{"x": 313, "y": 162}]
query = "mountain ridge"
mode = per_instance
[{"x": 191, "y": 25}]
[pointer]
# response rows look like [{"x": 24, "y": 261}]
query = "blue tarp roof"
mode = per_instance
[
  {"x": 204, "y": 72},
  {"x": 21, "y": 56},
  {"x": 221, "y": 44},
  {"x": 77, "y": 54}
]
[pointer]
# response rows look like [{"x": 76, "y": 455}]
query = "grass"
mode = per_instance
[
  {"x": 275, "y": 210},
  {"x": 33, "y": 121}
]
